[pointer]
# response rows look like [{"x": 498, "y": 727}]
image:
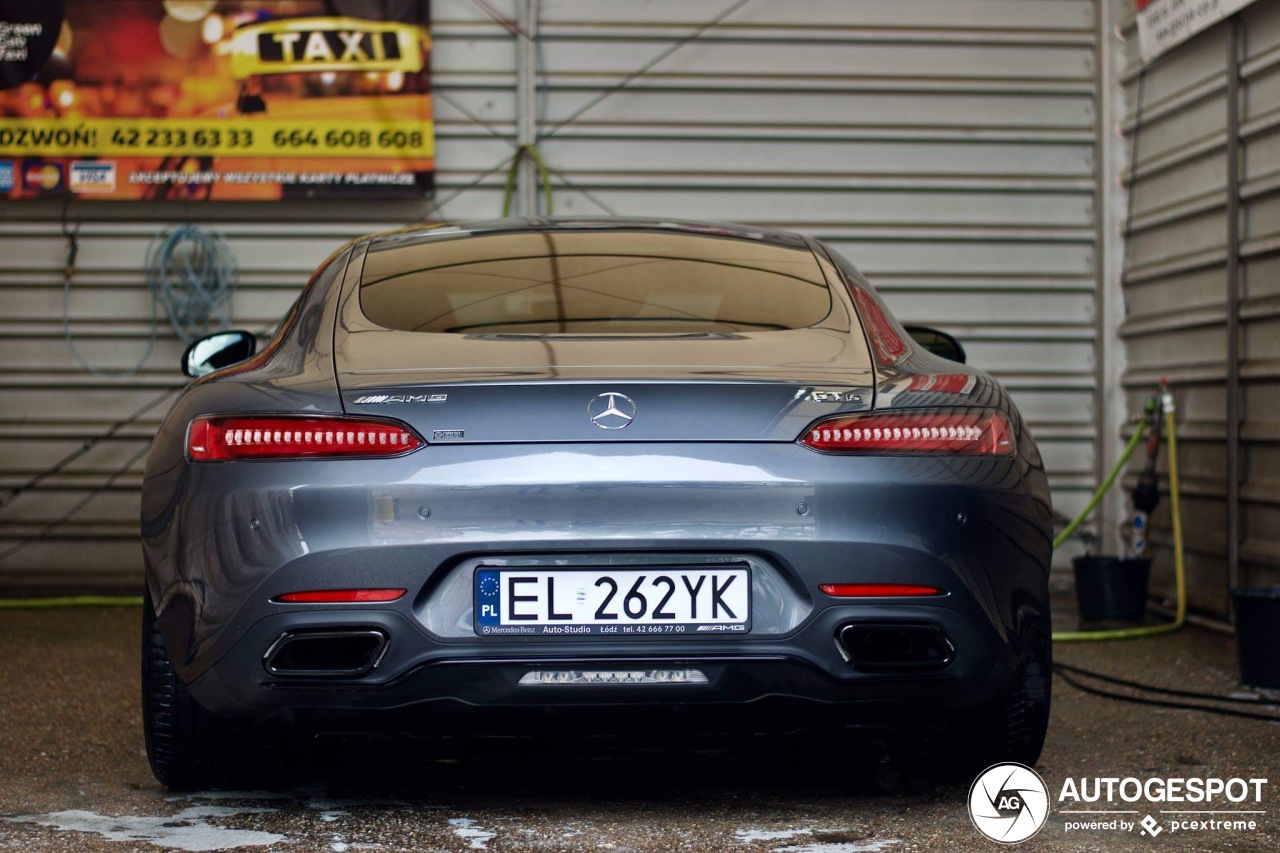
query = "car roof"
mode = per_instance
[{"x": 449, "y": 231}]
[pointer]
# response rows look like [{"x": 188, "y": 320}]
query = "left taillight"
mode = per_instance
[
  {"x": 955, "y": 432},
  {"x": 221, "y": 438}
]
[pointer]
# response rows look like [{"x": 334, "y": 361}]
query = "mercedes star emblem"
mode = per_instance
[{"x": 611, "y": 410}]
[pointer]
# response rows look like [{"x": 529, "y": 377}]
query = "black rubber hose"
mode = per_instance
[
  {"x": 1182, "y": 706},
  {"x": 1190, "y": 694}
]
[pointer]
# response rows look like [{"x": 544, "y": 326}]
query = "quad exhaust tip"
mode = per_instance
[
  {"x": 332, "y": 653},
  {"x": 883, "y": 647}
]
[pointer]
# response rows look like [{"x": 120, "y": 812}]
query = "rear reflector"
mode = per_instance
[
  {"x": 340, "y": 596},
  {"x": 216, "y": 438},
  {"x": 957, "y": 432},
  {"x": 873, "y": 590}
]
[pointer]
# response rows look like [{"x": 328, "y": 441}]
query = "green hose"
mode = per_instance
[
  {"x": 1106, "y": 484},
  {"x": 71, "y": 601},
  {"x": 1179, "y": 567},
  {"x": 532, "y": 152}
]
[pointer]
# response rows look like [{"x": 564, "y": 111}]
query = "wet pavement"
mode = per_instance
[{"x": 73, "y": 776}]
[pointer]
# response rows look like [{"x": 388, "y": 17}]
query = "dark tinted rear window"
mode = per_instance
[{"x": 583, "y": 282}]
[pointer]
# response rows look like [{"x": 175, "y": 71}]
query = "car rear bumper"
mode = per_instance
[
  {"x": 974, "y": 529},
  {"x": 418, "y": 671}
]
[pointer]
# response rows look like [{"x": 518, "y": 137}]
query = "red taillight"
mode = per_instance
[
  {"x": 886, "y": 344},
  {"x": 216, "y": 438},
  {"x": 872, "y": 590},
  {"x": 340, "y": 596},
  {"x": 960, "y": 432}
]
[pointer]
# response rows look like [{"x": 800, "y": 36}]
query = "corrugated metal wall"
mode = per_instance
[
  {"x": 948, "y": 147},
  {"x": 1177, "y": 286}
]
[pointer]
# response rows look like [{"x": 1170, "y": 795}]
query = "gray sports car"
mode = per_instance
[{"x": 623, "y": 473}]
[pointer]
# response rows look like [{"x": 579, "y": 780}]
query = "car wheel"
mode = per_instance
[
  {"x": 188, "y": 746},
  {"x": 1010, "y": 728}
]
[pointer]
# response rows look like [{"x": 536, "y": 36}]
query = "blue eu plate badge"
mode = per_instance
[{"x": 487, "y": 599}]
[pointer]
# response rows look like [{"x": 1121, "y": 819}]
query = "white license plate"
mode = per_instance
[{"x": 698, "y": 600}]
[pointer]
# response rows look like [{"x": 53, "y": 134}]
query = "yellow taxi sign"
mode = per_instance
[{"x": 326, "y": 44}]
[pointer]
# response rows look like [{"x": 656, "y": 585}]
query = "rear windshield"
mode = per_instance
[{"x": 583, "y": 282}]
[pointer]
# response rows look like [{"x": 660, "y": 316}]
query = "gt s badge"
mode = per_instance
[{"x": 814, "y": 396}]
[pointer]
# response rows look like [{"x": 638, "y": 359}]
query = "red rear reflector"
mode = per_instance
[
  {"x": 959, "y": 432},
  {"x": 870, "y": 590},
  {"x": 344, "y": 596},
  {"x": 216, "y": 438}
]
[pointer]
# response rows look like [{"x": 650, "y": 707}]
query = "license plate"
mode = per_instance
[{"x": 697, "y": 600}]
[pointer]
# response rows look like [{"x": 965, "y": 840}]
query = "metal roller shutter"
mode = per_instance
[
  {"x": 948, "y": 147},
  {"x": 49, "y": 407},
  {"x": 1181, "y": 250}
]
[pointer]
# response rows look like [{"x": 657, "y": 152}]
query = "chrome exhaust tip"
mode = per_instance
[
  {"x": 899, "y": 647},
  {"x": 332, "y": 653}
]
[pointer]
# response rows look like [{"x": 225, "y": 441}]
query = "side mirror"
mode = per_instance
[
  {"x": 216, "y": 351},
  {"x": 938, "y": 343}
]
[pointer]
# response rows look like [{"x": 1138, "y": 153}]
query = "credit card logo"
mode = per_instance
[
  {"x": 6, "y": 175},
  {"x": 45, "y": 177},
  {"x": 92, "y": 176}
]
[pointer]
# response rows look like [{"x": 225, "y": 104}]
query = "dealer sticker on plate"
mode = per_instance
[{"x": 651, "y": 600}]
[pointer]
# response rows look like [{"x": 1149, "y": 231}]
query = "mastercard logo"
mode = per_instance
[{"x": 47, "y": 177}]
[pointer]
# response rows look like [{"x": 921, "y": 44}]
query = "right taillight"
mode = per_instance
[
  {"x": 226, "y": 438},
  {"x": 955, "y": 432}
]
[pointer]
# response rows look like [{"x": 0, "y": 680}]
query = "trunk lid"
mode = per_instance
[{"x": 765, "y": 386}]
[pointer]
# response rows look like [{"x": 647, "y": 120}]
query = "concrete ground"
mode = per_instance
[{"x": 73, "y": 776}]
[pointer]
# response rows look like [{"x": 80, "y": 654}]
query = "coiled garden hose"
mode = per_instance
[
  {"x": 1175, "y": 509},
  {"x": 191, "y": 275}
]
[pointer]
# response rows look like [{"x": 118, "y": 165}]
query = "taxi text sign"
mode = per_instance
[{"x": 214, "y": 99}]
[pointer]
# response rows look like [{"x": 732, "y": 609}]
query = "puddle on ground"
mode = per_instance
[
  {"x": 189, "y": 829},
  {"x": 839, "y": 846},
  {"x": 466, "y": 829},
  {"x": 810, "y": 840}
]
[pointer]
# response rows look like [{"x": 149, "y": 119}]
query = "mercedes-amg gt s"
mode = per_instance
[{"x": 624, "y": 473}]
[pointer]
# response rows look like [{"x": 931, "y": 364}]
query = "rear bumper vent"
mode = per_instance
[
  {"x": 335, "y": 653},
  {"x": 905, "y": 647}
]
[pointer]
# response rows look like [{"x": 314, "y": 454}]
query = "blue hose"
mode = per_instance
[{"x": 191, "y": 275}]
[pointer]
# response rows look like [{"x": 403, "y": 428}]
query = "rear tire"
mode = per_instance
[
  {"x": 188, "y": 746},
  {"x": 1010, "y": 728}
]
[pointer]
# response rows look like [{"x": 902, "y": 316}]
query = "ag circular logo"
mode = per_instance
[{"x": 1009, "y": 803}]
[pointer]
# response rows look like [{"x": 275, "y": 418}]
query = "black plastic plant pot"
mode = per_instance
[
  {"x": 1258, "y": 635},
  {"x": 1111, "y": 588}
]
